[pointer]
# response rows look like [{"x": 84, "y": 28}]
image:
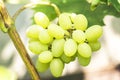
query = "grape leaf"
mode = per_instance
[
  {"x": 79, "y": 7},
  {"x": 116, "y": 4}
]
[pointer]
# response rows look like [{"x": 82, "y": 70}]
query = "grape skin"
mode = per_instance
[
  {"x": 58, "y": 47},
  {"x": 66, "y": 59},
  {"x": 83, "y": 61},
  {"x": 44, "y": 37},
  {"x": 55, "y": 31},
  {"x": 41, "y": 19},
  {"x": 84, "y": 50},
  {"x": 33, "y": 31},
  {"x": 93, "y": 33},
  {"x": 45, "y": 57},
  {"x": 56, "y": 67},
  {"x": 41, "y": 67},
  {"x": 37, "y": 47},
  {"x": 80, "y": 22},
  {"x": 65, "y": 21},
  {"x": 95, "y": 46},
  {"x": 79, "y": 36},
  {"x": 70, "y": 47}
]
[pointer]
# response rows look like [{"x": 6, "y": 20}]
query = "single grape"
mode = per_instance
[
  {"x": 80, "y": 22},
  {"x": 66, "y": 59},
  {"x": 84, "y": 50},
  {"x": 41, "y": 19},
  {"x": 65, "y": 21},
  {"x": 37, "y": 47},
  {"x": 79, "y": 36},
  {"x": 44, "y": 37},
  {"x": 55, "y": 31},
  {"x": 41, "y": 67},
  {"x": 83, "y": 61},
  {"x": 93, "y": 33},
  {"x": 70, "y": 47},
  {"x": 58, "y": 47},
  {"x": 33, "y": 31},
  {"x": 95, "y": 45},
  {"x": 45, "y": 57},
  {"x": 56, "y": 67}
]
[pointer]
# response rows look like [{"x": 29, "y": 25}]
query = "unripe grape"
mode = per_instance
[
  {"x": 58, "y": 47},
  {"x": 56, "y": 67},
  {"x": 33, "y": 31},
  {"x": 95, "y": 45},
  {"x": 44, "y": 37},
  {"x": 66, "y": 59},
  {"x": 80, "y": 22},
  {"x": 41, "y": 67},
  {"x": 65, "y": 21},
  {"x": 83, "y": 61},
  {"x": 84, "y": 50},
  {"x": 79, "y": 36},
  {"x": 70, "y": 47},
  {"x": 41, "y": 19},
  {"x": 55, "y": 31},
  {"x": 93, "y": 33},
  {"x": 37, "y": 47},
  {"x": 45, "y": 57}
]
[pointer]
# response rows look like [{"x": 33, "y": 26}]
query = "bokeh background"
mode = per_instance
[{"x": 105, "y": 63}]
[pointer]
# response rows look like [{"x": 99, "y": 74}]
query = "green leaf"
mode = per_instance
[
  {"x": 116, "y": 4},
  {"x": 48, "y": 10},
  {"x": 80, "y": 7}
]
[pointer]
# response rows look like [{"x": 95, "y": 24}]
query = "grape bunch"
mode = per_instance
[{"x": 60, "y": 43}]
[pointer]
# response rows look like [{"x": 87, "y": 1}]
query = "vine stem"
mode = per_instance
[
  {"x": 12, "y": 32},
  {"x": 30, "y": 5}
]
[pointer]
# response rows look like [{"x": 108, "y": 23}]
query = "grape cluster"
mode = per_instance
[{"x": 57, "y": 44}]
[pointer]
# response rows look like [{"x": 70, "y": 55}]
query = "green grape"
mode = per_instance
[
  {"x": 70, "y": 47},
  {"x": 93, "y": 33},
  {"x": 33, "y": 31},
  {"x": 84, "y": 50},
  {"x": 45, "y": 57},
  {"x": 65, "y": 21},
  {"x": 79, "y": 36},
  {"x": 41, "y": 19},
  {"x": 56, "y": 67},
  {"x": 72, "y": 16},
  {"x": 95, "y": 45},
  {"x": 80, "y": 22},
  {"x": 83, "y": 61},
  {"x": 55, "y": 31},
  {"x": 37, "y": 47},
  {"x": 41, "y": 67},
  {"x": 58, "y": 47},
  {"x": 44, "y": 37},
  {"x": 66, "y": 59}
]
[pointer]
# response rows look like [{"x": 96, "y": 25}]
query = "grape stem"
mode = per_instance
[
  {"x": 30, "y": 5},
  {"x": 13, "y": 34}
]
